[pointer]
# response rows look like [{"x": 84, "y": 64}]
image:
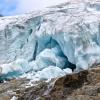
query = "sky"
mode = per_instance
[{"x": 14, "y": 7}]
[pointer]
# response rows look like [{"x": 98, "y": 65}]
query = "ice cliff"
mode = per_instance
[{"x": 52, "y": 42}]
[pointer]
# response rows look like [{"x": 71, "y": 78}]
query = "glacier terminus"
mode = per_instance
[{"x": 51, "y": 43}]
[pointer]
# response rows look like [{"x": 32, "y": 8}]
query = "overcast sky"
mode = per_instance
[{"x": 13, "y": 7}]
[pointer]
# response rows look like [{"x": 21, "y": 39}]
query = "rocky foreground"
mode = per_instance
[{"x": 84, "y": 85}]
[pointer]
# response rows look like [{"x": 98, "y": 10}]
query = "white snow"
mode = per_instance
[
  {"x": 68, "y": 71},
  {"x": 49, "y": 73},
  {"x": 14, "y": 98}
]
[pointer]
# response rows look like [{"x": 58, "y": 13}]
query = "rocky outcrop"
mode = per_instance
[
  {"x": 84, "y": 85},
  {"x": 1, "y": 15}
]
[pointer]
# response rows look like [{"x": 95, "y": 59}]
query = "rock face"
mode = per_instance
[
  {"x": 84, "y": 85},
  {"x": 65, "y": 36}
]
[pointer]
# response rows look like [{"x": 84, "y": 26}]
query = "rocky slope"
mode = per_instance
[{"x": 84, "y": 85}]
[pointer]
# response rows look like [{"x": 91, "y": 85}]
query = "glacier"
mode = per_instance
[{"x": 53, "y": 42}]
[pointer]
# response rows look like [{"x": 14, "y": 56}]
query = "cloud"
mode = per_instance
[
  {"x": 12, "y": 7},
  {"x": 30, "y": 5}
]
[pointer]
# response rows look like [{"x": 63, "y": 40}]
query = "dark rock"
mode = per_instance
[{"x": 1, "y": 15}]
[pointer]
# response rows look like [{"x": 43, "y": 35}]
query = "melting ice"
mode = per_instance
[{"x": 50, "y": 43}]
